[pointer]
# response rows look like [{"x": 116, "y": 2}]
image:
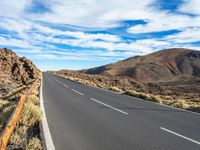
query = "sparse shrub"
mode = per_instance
[
  {"x": 34, "y": 144},
  {"x": 31, "y": 114},
  {"x": 114, "y": 88},
  {"x": 196, "y": 100},
  {"x": 34, "y": 99},
  {"x": 194, "y": 108},
  {"x": 180, "y": 104},
  {"x": 129, "y": 93},
  {"x": 144, "y": 96},
  {"x": 15, "y": 138},
  {"x": 35, "y": 91},
  {"x": 134, "y": 93},
  {"x": 155, "y": 99},
  {"x": 87, "y": 82},
  {"x": 6, "y": 114},
  {"x": 1, "y": 107},
  {"x": 18, "y": 135},
  {"x": 3, "y": 103}
]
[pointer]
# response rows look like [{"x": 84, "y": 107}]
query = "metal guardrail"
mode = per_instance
[{"x": 8, "y": 130}]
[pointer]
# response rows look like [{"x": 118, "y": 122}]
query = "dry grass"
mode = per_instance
[
  {"x": 18, "y": 135},
  {"x": 27, "y": 126},
  {"x": 167, "y": 100},
  {"x": 29, "y": 119},
  {"x": 36, "y": 89},
  {"x": 196, "y": 108},
  {"x": 31, "y": 114},
  {"x": 144, "y": 96},
  {"x": 34, "y": 144},
  {"x": 6, "y": 113},
  {"x": 3, "y": 103},
  {"x": 34, "y": 99},
  {"x": 84, "y": 81},
  {"x": 115, "y": 89},
  {"x": 180, "y": 104}
]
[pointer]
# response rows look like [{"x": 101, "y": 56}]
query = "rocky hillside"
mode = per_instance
[
  {"x": 15, "y": 69},
  {"x": 162, "y": 65}
]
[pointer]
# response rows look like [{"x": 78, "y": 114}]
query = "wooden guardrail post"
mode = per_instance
[{"x": 14, "y": 119}]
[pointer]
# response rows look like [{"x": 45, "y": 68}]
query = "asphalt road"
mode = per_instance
[{"x": 81, "y": 117}]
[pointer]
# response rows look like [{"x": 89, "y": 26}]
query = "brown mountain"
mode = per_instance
[
  {"x": 162, "y": 65},
  {"x": 15, "y": 69}
]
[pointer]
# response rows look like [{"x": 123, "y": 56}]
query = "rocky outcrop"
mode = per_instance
[{"x": 15, "y": 69}]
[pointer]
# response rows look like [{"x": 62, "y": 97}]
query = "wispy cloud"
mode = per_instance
[{"x": 97, "y": 30}]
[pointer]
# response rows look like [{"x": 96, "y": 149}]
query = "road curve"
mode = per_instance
[{"x": 81, "y": 117}]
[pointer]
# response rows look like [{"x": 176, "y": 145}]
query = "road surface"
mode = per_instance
[{"x": 81, "y": 117}]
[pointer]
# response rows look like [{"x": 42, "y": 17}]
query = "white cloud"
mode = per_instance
[
  {"x": 13, "y": 8},
  {"x": 77, "y": 34},
  {"x": 164, "y": 22},
  {"x": 14, "y": 42},
  {"x": 188, "y": 35},
  {"x": 97, "y": 14},
  {"x": 85, "y": 36},
  {"x": 191, "y": 7}
]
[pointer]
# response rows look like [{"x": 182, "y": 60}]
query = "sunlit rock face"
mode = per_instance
[{"x": 15, "y": 69}]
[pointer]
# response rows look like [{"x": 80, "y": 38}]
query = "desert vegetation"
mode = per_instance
[
  {"x": 144, "y": 96},
  {"x": 8, "y": 101},
  {"x": 26, "y": 133},
  {"x": 181, "y": 92}
]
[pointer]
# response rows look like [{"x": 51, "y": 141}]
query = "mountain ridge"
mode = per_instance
[{"x": 161, "y": 65}]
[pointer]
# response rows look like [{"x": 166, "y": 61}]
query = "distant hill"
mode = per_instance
[
  {"x": 15, "y": 69},
  {"x": 162, "y": 65}
]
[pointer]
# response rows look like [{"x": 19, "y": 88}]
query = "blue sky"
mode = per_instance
[{"x": 82, "y": 34}]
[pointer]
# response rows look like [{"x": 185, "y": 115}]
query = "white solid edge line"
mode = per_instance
[
  {"x": 77, "y": 92},
  {"x": 189, "y": 139},
  {"x": 109, "y": 106},
  {"x": 46, "y": 131}
]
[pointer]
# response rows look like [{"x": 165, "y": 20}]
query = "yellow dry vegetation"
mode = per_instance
[
  {"x": 29, "y": 119},
  {"x": 34, "y": 144},
  {"x": 31, "y": 114},
  {"x": 115, "y": 89},
  {"x": 144, "y": 96}
]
